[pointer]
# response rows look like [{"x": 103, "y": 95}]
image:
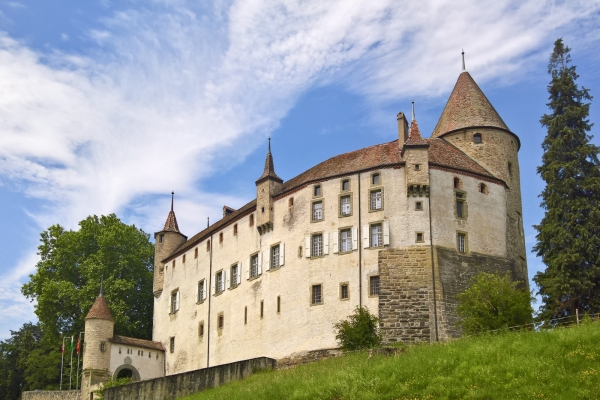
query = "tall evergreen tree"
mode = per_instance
[{"x": 568, "y": 239}]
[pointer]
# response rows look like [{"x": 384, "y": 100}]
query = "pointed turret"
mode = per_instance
[
  {"x": 267, "y": 186},
  {"x": 167, "y": 241},
  {"x": 100, "y": 308},
  {"x": 415, "y": 138},
  {"x": 467, "y": 107},
  {"x": 416, "y": 159}
]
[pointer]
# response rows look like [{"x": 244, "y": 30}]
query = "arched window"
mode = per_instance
[
  {"x": 457, "y": 183},
  {"x": 477, "y": 138}
]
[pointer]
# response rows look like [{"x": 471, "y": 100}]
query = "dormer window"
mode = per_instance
[{"x": 477, "y": 138}]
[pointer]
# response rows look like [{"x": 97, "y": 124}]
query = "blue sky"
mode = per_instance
[{"x": 108, "y": 106}]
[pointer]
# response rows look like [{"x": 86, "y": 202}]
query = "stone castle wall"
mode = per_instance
[{"x": 52, "y": 395}]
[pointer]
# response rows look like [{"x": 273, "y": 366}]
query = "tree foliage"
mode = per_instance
[
  {"x": 568, "y": 238},
  {"x": 358, "y": 331},
  {"x": 493, "y": 302},
  {"x": 67, "y": 280}
]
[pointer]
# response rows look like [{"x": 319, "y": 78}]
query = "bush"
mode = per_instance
[
  {"x": 493, "y": 302},
  {"x": 358, "y": 331},
  {"x": 111, "y": 384}
]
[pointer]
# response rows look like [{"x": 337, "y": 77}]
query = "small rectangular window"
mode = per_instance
[
  {"x": 344, "y": 291},
  {"x": 251, "y": 220},
  {"x": 345, "y": 205},
  {"x": 221, "y": 237},
  {"x": 419, "y": 206},
  {"x": 375, "y": 179},
  {"x": 419, "y": 238},
  {"x": 345, "y": 185},
  {"x": 510, "y": 168},
  {"x": 235, "y": 230},
  {"x": 235, "y": 273},
  {"x": 254, "y": 266},
  {"x": 220, "y": 284},
  {"x": 374, "y": 286},
  {"x": 208, "y": 245},
  {"x": 291, "y": 202},
  {"x": 345, "y": 240},
  {"x": 183, "y": 259},
  {"x": 262, "y": 308},
  {"x": 173, "y": 263},
  {"x": 376, "y": 202},
  {"x": 220, "y": 321},
  {"x": 201, "y": 292},
  {"x": 317, "y": 295},
  {"x": 317, "y": 190},
  {"x": 201, "y": 329},
  {"x": 376, "y": 235},
  {"x": 459, "y": 209},
  {"x": 245, "y": 315},
  {"x": 278, "y": 304},
  {"x": 417, "y": 167},
  {"x": 317, "y": 245},
  {"x": 275, "y": 257},
  {"x": 161, "y": 238},
  {"x": 317, "y": 211},
  {"x": 174, "y": 301},
  {"x": 196, "y": 252},
  {"x": 172, "y": 344},
  {"x": 461, "y": 239}
]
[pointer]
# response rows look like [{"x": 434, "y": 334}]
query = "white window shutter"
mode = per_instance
[
  {"x": 170, "y": 303},
  {"x": 177, "y": 301},
  {"x": 212, "y": 284},
  {"x": 268, "y": 260},
  {"x": 204, "y": 289},
  {"x": 325, "y": 242},
  {"x": 336, "y": 236},
  {"x": 239, "y": 275},
  {"x": 281, "y": 254},
  {"x": 228, "y": 275},
  {"x": 198, "y": 292},
  {"x": 307, "y": 247},
  {"x": 365, "y": 236},
  {"x": 248, "y": 269},
  {"x": 386, "y": 233},
  {"x": 354, "y": 238},
  {"x": 260, "y": 263}
]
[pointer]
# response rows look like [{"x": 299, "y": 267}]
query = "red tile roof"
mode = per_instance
[
  {"x": 148, "y": 344},
  {"x": 100, "y": 309},
  {"x": 171, "y": 223},
  {"x": 444, "y": 154},
  {"x": 415, "y": 138},
  {"x": 467, "y": 107}
]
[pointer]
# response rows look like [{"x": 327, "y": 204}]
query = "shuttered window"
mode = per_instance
[
  {"x": 317, "y": 245},
  {"x": 346, "y": 240}
]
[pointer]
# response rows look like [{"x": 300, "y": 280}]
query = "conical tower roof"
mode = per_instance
[
  {"x": 467, "y": 107},
  {"x": 269, "y": 170},
  {"x": 414, "y": 138},
  {"x": 100, "y": 309},
  {"x": 171, "y": 222}
]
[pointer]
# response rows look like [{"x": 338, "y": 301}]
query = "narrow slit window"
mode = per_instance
[
  {"x": 278, "y": 304},
  {"x": 235, "y": 231},
  {"x": 262, "y": 308}
]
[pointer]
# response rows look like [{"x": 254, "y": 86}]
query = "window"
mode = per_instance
[
  {"x": 417, "y": 167},
  {"x": 245, "y": 315},
  {"x": 376, "y": 235},
  {"x": 220, "y": 284},
  {"x": 275, "y": 257},
  {"x": 208, "y": 245},
  {"x": 161, "y": 238},
  {"x": 374, "y": 285},
  {"x": 461, "y": 239},
  {"x": 220, "y": 321},
  {"x": 103, "y": 346},
  {"x": 183, "y": 259},
  {"x": 201, "y": 329},
  {"x": 344, "y": 294},
  {"x": 174, "y": 301},
  {"x": 376, "y": 202},
  {"x": 235, "y": 275},
  {"x": 201, "y": 290},
  {"x": 375, "y": 178},
  {"x": 477, "y": 138},
  {"x": 262, "y": 308},
  {"x": 291, "y": 202},
  {"x": 346, "y": 185},
  {"x": 262, "y": 209},
  {"x": 316, "y": 294},
  {"x": 460, "y": 205},
  {"x": 419, "y": 237},
  {"x": 457, "y": 183},
  {"x": 278, "y": 304},
  {"x": 299, "y": 251},
  {"x": 173, "y": 263},
  {"x": 251, "y": 222},
  {"x": 254, "y": 266},
  {"x": 317, "y": 190},
  {"x": 316, "y": 245},
  {"x": 235, "y": 230},
  {"x": 317, "y": 211},
  {"x": 196, "y": 252},
  {"x": 172, "y": 344},
  {"x": 509, "y": 168},
  {"x": 345, "y": 240},
  {"x": 221, "y": 237},
  {"x": 345, "y": 208},
  {"x": 419, "y": 206},
  {"x": 483, "y": 188}
]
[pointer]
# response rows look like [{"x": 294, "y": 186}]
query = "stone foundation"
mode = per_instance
[{"x": 52, "y": 395}]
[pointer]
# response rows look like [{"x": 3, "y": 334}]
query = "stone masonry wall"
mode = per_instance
[
  {"x": 405, "y": 302},
  {"x": 179, "y": 385},
  {"x": 52, "y": 395}
]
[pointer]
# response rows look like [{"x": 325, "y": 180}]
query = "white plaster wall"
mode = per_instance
[
  {"x": 148, "y": 365},
  {"x": 486, "y": 219}
]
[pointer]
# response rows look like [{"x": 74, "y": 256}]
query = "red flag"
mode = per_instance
[{"x": 78, "y": 344}]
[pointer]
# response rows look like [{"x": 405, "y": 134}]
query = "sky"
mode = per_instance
[{"x": 107, "y": 107}]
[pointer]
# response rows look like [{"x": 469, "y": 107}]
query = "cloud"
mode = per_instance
[{"x": 165, "y": 91}]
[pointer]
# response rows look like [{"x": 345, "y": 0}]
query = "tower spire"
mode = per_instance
[
  {"x": 463, "y": 60},
  {"x": 269, "y": 170},
  {"x": 171, "y": 222},
  {"x": 413, "y": 111},
  {"x": 172, "y": 197}
]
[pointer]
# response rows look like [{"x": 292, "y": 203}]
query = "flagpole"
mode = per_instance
[
  {"x": 62, "y": 360},
  {"x": 78, "y": 354},
  {"x": 71, "y": 369}
]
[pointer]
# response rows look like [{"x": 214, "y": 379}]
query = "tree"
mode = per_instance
[
  {"x": 358, "y": 331},
  {"x": 568, "y": 237},
  {"x": 493, "y": 302},
  {"x": 14, "y": 353}
]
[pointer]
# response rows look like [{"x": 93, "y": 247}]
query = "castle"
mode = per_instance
[{"x": 398, "y": 227}]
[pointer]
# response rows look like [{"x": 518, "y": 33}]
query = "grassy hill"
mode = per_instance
[{"x": 560, "y": 364}]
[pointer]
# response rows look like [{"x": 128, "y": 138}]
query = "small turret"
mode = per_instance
[
  {"x": 416, "y": 159},
  {"x": 267, "y": 186},
  {"x": 166, "y": 241}
]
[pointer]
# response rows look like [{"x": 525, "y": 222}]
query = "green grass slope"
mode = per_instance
[{"x": 558, "y": 364}]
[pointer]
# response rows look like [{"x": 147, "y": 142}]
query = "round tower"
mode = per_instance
[
  {"x": 470, "y": 122},
  {"x": 99, "y": 329},
  {"x": 166, "y": 242}
]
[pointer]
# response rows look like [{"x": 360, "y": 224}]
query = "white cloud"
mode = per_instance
[{"x": 168, "y": 89}]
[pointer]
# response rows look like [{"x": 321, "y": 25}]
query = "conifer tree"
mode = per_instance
[{"x": 568, "y": 238}]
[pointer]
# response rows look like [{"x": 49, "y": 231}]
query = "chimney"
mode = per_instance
[{"x": 402, "y": 129}]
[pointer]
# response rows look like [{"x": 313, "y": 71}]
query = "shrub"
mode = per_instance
[
  {"x": 358, "y": 331},
  {"x": 493, "y": 302},
  {"x": 110, "y": 384}
]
